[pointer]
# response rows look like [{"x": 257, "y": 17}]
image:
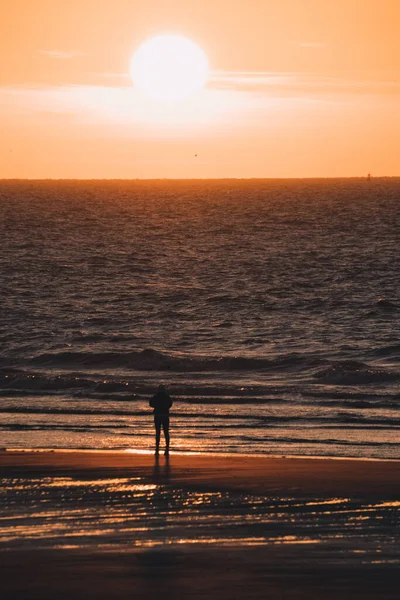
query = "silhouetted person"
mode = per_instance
[{"x": 161, "y": 403}]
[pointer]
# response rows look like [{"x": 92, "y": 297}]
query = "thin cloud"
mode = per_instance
[
  {"x": 94, "y": 105},
  {"x": 230, "y": 95},
  {"x": 294, "y": 84},
  {"x": 247, "y": 80},
  {"x": 120, "y": 112},
  {"x": 62, "y": 54}
]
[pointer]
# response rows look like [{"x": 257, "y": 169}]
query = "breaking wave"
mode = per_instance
[
  {"x": 150, "y": 360},
  {"x": 355, "y": 373}
]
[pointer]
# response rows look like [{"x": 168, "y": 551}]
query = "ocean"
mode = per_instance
[{"x": 269, "y": 308}]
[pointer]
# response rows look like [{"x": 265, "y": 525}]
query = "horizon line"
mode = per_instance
[{"x": 368, "y": 177}]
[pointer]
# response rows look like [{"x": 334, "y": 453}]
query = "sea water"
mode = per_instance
[{"x": 269, "y": 308}]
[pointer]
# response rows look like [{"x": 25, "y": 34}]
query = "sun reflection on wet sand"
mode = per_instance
[{"x": 134, "y": 513}]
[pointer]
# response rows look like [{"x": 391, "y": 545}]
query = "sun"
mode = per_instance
[{"x": 169, "y": 68}]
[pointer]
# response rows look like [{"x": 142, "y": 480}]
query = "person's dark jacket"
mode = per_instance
[{"x": 161, "y": 402}]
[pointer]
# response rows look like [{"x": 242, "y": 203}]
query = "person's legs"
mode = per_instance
[
  {"x": 165, "y": 424},
  {"x": 157, "y": 424}
]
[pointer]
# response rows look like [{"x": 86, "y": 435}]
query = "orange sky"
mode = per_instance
[{"x": 298, "y": 88}]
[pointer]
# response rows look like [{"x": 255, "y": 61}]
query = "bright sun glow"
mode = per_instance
[{"x": 169, "y": 68}]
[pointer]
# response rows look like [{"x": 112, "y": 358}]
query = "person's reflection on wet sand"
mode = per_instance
[
  {"x": 160, "y": 565},
  {"x": 161, "y": 473}
]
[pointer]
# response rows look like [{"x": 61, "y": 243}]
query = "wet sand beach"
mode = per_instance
[
  {"x": 249, "y": 472},
  {"x": 121, "y": 524}
]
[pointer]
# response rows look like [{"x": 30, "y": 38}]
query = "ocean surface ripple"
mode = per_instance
[{"x": 270, "y": 308}]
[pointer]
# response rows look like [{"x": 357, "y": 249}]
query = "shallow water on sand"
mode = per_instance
[{"x": 127, "y": 513}]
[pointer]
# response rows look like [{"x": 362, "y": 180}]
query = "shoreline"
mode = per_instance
[
  {"x": 137, "y": 451},
  {"x": 255, "y": 473}
]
